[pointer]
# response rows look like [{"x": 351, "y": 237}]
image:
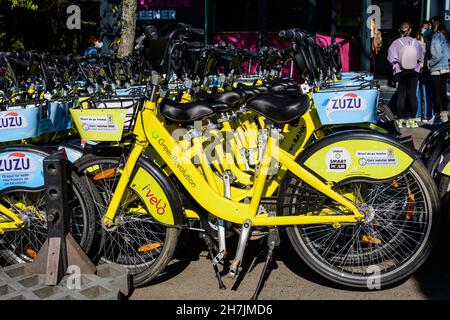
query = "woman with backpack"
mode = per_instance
[
  {"x": 439, "y": 68},
  {"x": 405, "y": 55}
]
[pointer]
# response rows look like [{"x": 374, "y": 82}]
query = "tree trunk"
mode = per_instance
[{"x": 128, "y": 23}]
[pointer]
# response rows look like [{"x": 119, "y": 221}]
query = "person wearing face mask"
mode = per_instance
[
  {"x": 439, "y": 68},
  {"x": 94, "y": 47},
  {"x": 424, "y": 95}
]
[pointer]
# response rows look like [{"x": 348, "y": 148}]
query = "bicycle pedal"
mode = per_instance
[
  {"x": 234, "y": 270},
  {"x": 219, "y": 258}
]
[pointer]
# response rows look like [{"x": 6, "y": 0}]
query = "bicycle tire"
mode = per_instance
[
  {"x": 83, "y": 232},
  {"x": 141, "y": 275},
  {"x": 315, "y": 256}
]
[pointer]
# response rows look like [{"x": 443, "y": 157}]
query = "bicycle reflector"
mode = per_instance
[
  {"x": 149, "y": 247},
  {"x": 410, "y": 209},
  {"x": 30, "y": 252},
  {"x": 369, "y": 239},
  {"x": 105, "y": 174}
]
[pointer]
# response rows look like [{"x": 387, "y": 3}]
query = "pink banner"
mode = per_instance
[
  {"x": 249, "y": 40},
  {"x": 345, "y": 50}
]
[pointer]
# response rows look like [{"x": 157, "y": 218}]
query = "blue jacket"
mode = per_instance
[
  {"x": 90, "y": 50},
  {"x": 439, "y": 52}
]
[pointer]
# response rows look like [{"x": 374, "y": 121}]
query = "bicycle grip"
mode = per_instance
[
  {"x": 197, "y": 31},
  {"x": 286, "y": 35},
  {"x": 285, "y": 53}
]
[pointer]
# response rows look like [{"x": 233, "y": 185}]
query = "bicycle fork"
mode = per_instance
[{"x": 130, "y": 164}]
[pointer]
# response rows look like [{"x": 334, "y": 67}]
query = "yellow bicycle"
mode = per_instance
[{"x": 355, "y": 202}]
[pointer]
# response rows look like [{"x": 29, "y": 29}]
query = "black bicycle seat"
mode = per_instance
[{"x": 280, "y": 108}]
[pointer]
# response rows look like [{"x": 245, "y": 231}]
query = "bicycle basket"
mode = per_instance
[
  {"x": 345, "y": 107},
  {"x": 19, "y": 121},
  {"x": 105, "y": 119}
]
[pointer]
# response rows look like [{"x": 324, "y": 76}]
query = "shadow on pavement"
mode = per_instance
[
  {"x": 434, "y": 276},
  {"x": 188, "y": 249}
]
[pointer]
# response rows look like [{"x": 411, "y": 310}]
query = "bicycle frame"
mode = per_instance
[{"x": 206, "y": 195}]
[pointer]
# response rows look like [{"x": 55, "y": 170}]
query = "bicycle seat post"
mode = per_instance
[{"x": 227, "y": 180}]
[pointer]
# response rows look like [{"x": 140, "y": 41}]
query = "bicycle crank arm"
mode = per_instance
[{"x": 243, "y": 239}]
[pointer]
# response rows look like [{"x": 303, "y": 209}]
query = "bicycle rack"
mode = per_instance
[
  {"x": 46, "y": 277},
  {"x": 60, "y": 250}
]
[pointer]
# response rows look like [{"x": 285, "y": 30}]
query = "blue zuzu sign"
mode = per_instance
[
  {"x": 12, "y": 120},
  {"x": 21, "y": 169},
  {"x": 15, "y": 162},
  {"x": 358, "y": 106},
  {"x": 27, "y": 122}
]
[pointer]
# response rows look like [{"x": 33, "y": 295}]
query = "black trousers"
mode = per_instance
[
  {"x": 439, "y": 91},
  {"x": 407, "y": 88}
]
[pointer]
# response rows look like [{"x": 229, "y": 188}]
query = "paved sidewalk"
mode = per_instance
[{"x": 191, "y": 276}]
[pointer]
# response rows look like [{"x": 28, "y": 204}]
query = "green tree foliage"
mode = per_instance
[
  {"x": 41, "y": 25},
  {"x": 25, "y": 4}
]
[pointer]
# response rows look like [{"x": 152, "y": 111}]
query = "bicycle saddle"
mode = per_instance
[
  {"x": 228, "y": 97},
  {"x": 251, "y": 91},
  {"x": 183, "y": 113},
  {"x": 280, "y": 108},
  {"x": 280, "y": 87},
  {"x": 285, "y": 81}
]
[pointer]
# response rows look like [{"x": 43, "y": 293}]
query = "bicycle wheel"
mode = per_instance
[
  {"x": 137, "y": 241},
  {"x": 393, "y": 241},
  {"x": 384, "y": 113},
  {"x": 22, "y": 246}
]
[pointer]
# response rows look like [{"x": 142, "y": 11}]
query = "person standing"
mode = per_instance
[
  {"x": 405, "y": 55},
  {"x": 439, "y": 68},
  {"x": 424, "y": 95},
  {"x": 94, "y": 46}
]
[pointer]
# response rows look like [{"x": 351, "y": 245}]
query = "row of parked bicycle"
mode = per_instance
[{"x": 183, "y": 137}]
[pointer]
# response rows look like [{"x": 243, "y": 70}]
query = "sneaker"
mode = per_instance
[
  {"x": 434, "y": 120},
  {"x": 408, "y": 124},
  {"x": 413, "y": 123},
  {"x": 399, "y": 123}
]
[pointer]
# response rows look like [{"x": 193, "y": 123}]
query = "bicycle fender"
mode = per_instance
[
  {"x": 443, "y": 166},
  {"x": 360, "y": 154},
  {"x": 434, "y": 138},
  {"x": 160, "y": 196}
]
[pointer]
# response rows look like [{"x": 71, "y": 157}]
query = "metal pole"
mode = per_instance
[
  {"x": 312, "y": 7},
  {"x": 263, "y": 22},
  {"x": 207, "y": 23},
  {"x": 365, "y": 36},
  {"x": 333, "y": 19}
]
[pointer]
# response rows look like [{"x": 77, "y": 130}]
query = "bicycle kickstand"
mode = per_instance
[
  {"x": 273, "y": 240},
  {"x": 256, "y": 257},
  {"x": 210, "y": 246}
]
